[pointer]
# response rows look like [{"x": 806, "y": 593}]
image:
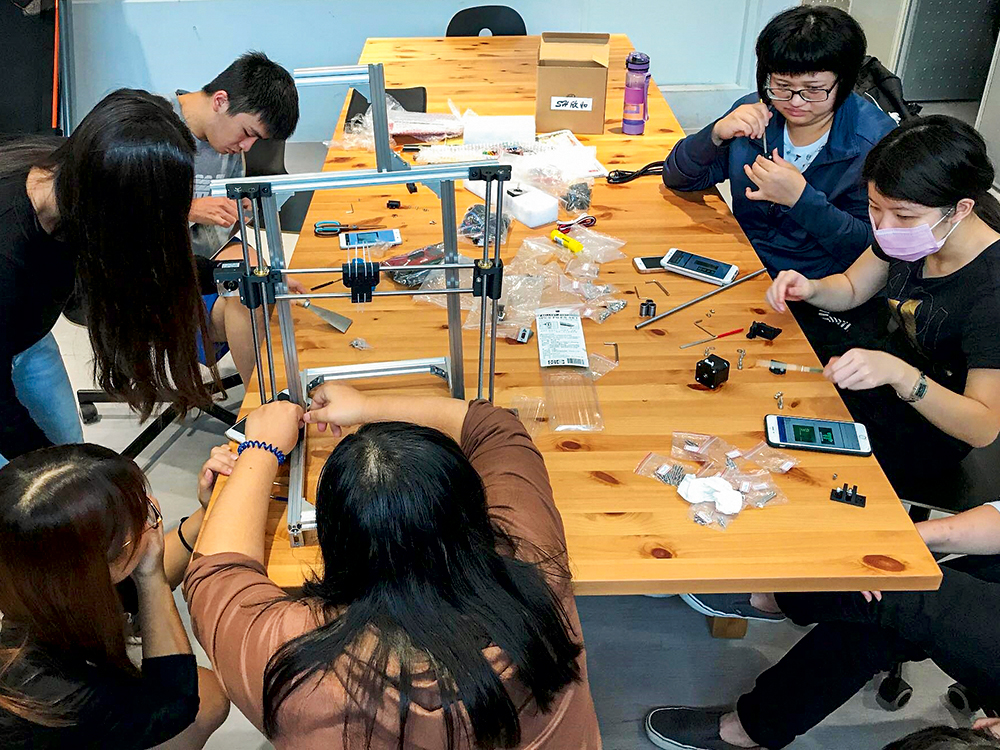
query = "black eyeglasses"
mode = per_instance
[
  {"x": 153, "y": 519},
  {"x": 814, "y": 94}
]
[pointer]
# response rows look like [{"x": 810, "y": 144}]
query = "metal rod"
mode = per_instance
[
  {"x": 456, "y": 356},
  {"x": 496, "y": 302},
  {"x": 380, "y": 117},
  {"x": 712, "y": 293},
  {"x": 294, "y": 183},
  {"x": 347, "y": 295},
  {"x": 383, "y": 268},
  {"x": 258, "y": 212},
  {"x": 290, "y": 354},
  {"x": 485, "y": 264},
  {"x": 253, "y": 315}
]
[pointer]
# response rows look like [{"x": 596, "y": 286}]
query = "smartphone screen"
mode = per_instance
[
  {"x": 818, "y": 433},
  {"x": 357, "y": 239},
  {"x": 698, "y": 264}
]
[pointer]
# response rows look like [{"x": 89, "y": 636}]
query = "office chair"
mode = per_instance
[
  {"x": 500, "y": 20},
  {"x": 267, "y": 157}
]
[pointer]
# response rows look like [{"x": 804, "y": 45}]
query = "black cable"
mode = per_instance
[{"x": 620, "y": 176}]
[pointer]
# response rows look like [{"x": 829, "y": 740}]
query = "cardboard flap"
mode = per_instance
[{"x": 586, "y": 50}]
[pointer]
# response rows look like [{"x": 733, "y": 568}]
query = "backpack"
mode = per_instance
[{"x": 879, "y": 85}]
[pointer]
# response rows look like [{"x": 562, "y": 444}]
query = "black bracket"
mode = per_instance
[
  {"x": 232, "y": 275},
  {"x": 249, "y": 190},
  {"x": 361, "y": 277},
  {"x": 847, "y": 496},
  {"x": 487, "y": 279},
  {"x": 491, "y": 173},
  {"x": 763, "y": 330}
]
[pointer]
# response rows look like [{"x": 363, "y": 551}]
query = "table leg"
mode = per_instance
[{"x": 727, "y": 627}]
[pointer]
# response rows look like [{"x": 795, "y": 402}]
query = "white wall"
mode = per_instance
[{"x": 701, "y": 50}]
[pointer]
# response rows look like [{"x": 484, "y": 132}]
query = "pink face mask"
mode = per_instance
[{"x": 911, "y": 243}]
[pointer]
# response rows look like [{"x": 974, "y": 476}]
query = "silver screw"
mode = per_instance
[
  {"x": 834, "y": 476},
  {"x": 742, "y": 353},
  {"x": 708, "y": 349},
  {"x": 780, "y": 398}
]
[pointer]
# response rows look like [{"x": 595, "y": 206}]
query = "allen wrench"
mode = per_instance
[
  {"x": 662, "y": 288},
  {"x": 615, "y": 345}
]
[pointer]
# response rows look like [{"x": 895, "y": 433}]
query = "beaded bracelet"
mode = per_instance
[{"x": 263, "y": 446}]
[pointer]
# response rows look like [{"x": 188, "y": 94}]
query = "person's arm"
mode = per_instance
[
  {"x": 19, "y": 433},
  {"x": 841, "y": 291},
  {"x": 235, "y": 522},
  {"x": 974, "y": 532},
  {"x": 176, "y": 555},
  {"x": 841, "y": 227}
]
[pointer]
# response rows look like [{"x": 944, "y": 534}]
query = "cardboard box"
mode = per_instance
[{"x": 572, "y": 82}]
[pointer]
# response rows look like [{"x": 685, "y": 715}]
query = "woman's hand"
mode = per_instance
[
  {"x": 747, "y": 120},
  {"x": 870, "y": 595},
  {"x": 777, "y": 180},
  {"x": 789, "y": 286},
  {"x": 861, "y": 369},
  {"x": 150, "y": 545},
  {"x": 220, "y": 462},
  {"x": 990, "y": 725},
  {"x": 295, "y": 286},
  {"x": 276, "y": 423},
  {"x": 336, "y": 405}
]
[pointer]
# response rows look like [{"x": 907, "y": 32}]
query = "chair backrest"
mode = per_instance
[
  {"x": 413, "y": 99},
  {"x": 265, "y": 157},
  {"x": 499, "y": 19}
]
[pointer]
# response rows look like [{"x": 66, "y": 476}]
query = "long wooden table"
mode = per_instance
[{"x": 626, "y": 534}]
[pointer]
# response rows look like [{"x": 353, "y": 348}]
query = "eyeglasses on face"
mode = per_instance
[
  {"x": 153, "y": 519},
  {"x": 786, "y": 94}
]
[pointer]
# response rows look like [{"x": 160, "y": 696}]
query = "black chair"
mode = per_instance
[
  {"x": 500, "y": 20},
  {"x": 267, "y": 157},
  {"x": 976, "y": 482},
  {"x": 412, "y": 99}
]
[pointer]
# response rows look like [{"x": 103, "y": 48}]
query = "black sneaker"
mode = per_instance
[
  {"x": 733, "y": 606},
  {"x": 682, "y": 728}
]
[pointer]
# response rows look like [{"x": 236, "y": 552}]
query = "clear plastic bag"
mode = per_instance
[
  {"x": 697, "y": 447},
  {"x": 663, "y": 469},
  {"x": 771, "y": 459},
  {"x": 424, "y": 126},
  {"x": 520, "y": 298},
  {"x": 706, "y": 514},
  {"x": 586, "y": 270},
  {"x": 699, "y": 488},
  {"x": 436, "y": 279},
  {"x": 473, "y": 225},
  {"x": 601, "y": 309},
  {"x": 755, "y": 484},
  {"x": 597, "y": 247},
  {"x": 531, "y": 411},
  {"x": 586, "y": 290},
  {"x": 600, "y": 365},
  {"x": 571, "y": 400}
]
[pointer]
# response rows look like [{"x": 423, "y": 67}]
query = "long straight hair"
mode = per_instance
[
  {"x": 416, "y": 573},
  {"x": 65, "y": 513},
  {"x": 934, "y": 161},
  {"x": 123, "y": 185}
]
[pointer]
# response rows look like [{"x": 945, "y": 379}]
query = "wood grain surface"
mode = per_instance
[{"x": 626, "y": 534}]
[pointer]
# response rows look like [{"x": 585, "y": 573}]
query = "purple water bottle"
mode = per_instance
[{"x": 636, "y": 110}]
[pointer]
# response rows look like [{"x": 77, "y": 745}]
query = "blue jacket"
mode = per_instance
[{"x": 828, "y": 228}]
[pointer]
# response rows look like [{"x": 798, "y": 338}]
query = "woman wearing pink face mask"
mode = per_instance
[{"x": 928, "y": 387}]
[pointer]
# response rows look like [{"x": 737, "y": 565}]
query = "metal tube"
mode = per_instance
[
  {"x": 712, "y": 293},
  {"x": 496, "y": 302},
  {"x": 253, "y": 316},
  {"x": 384, "y": 269},
  {"x": 485, "y": 300},
  {"x": 294, "y": 183},
  {"x": 285, "y": 323},
  {"x": 347, "y": 295},
  {"x": 258, "y": 212},
  {"x": 380, "y": 117},
  {"x": 456, "y": 355}
]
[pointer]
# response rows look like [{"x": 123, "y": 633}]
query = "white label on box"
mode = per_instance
[
  {"x": 560, "y": 338},
  {"x": 572, "y": 103}
]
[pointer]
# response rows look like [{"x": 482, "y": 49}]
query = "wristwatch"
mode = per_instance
[{"x": 919, "y": 390}]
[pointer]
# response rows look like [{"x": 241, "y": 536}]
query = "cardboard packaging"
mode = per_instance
[{"x": 572, "y": 82}]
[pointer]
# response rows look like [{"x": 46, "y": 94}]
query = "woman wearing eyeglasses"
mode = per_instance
[
  {"x": 792, "y": 152},
  {"x": 76, "y": 521}
]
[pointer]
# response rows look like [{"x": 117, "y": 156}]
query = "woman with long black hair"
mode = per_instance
[
  {"x": 443, "y": 616},
  {"x": 109, "y": 204}
]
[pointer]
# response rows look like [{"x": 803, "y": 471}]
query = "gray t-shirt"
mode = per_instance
[{"x": 209, "y": 165}]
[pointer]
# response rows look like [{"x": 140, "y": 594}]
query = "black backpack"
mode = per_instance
[{"x": 882, "y": 87}]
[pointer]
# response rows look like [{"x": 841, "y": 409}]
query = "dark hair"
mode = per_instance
[
  {"x": 65, "y": 513},
  {"x": 123, "y": 185},
  {"x": 946, "y": 738},
  {"x": 810, "y": 39},
  {"x": 260, "y": 87},
  {"x": 411, "y": 562},
  {"x": 934, "y": 161}
]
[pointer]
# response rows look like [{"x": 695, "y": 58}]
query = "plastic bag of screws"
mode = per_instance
[{"x": 663, "y": 469}]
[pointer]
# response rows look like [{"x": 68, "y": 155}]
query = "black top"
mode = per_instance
[
  {"x": 36, "y": 278},
  {"x": 112, "y": 710},
  {"x": 947, "y": 325}
]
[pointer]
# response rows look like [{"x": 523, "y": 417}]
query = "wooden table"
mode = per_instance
[{"x": 626, "y": 534}]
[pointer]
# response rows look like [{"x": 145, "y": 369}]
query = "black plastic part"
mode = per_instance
[
  {"x": 498, "y": 172},
  {"x": 778, "y": 369},
  {"x": 89, "y": 414},
  {"x": 361, "y": 277},
  {"x": 248, "y": 190},
  {"x": 893, "y": 693},
  {"x": 393, "y": 204},
  {"x": 487, "y": 280},
  {"x": 962, "y": 700},
  {"x": 712, "y": 371},
  {"x": 847, "y": 496},
  {"x": 412, "y": 187},
  {"x": 763, "y": 330}
]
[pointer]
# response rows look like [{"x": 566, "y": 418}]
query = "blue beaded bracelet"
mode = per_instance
[{"x": 263, "y": 446}]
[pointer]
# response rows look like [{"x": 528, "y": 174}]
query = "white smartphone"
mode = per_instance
[
  {"x": 823, "y": 435},
  {"x": 649, "y": 264},
  {"x": 699, "y": 267},
  {"x": 356, "y": 240},
  {"x": 238, "y": 431}
]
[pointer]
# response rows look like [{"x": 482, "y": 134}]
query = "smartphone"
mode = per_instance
[
  {"x": 238, "y": 431},
  {"x": 821, "y": 435},
  {"x": 353, "y": 240},
  {"x": 699, "y": 267},
  {"x": 649, "y": 264}
]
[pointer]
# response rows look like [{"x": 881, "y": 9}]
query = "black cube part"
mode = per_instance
[
  {"x": 763, "y": 330},
  {"x": 712, "y": 371},
  {"x": 393, "y": 204}
]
